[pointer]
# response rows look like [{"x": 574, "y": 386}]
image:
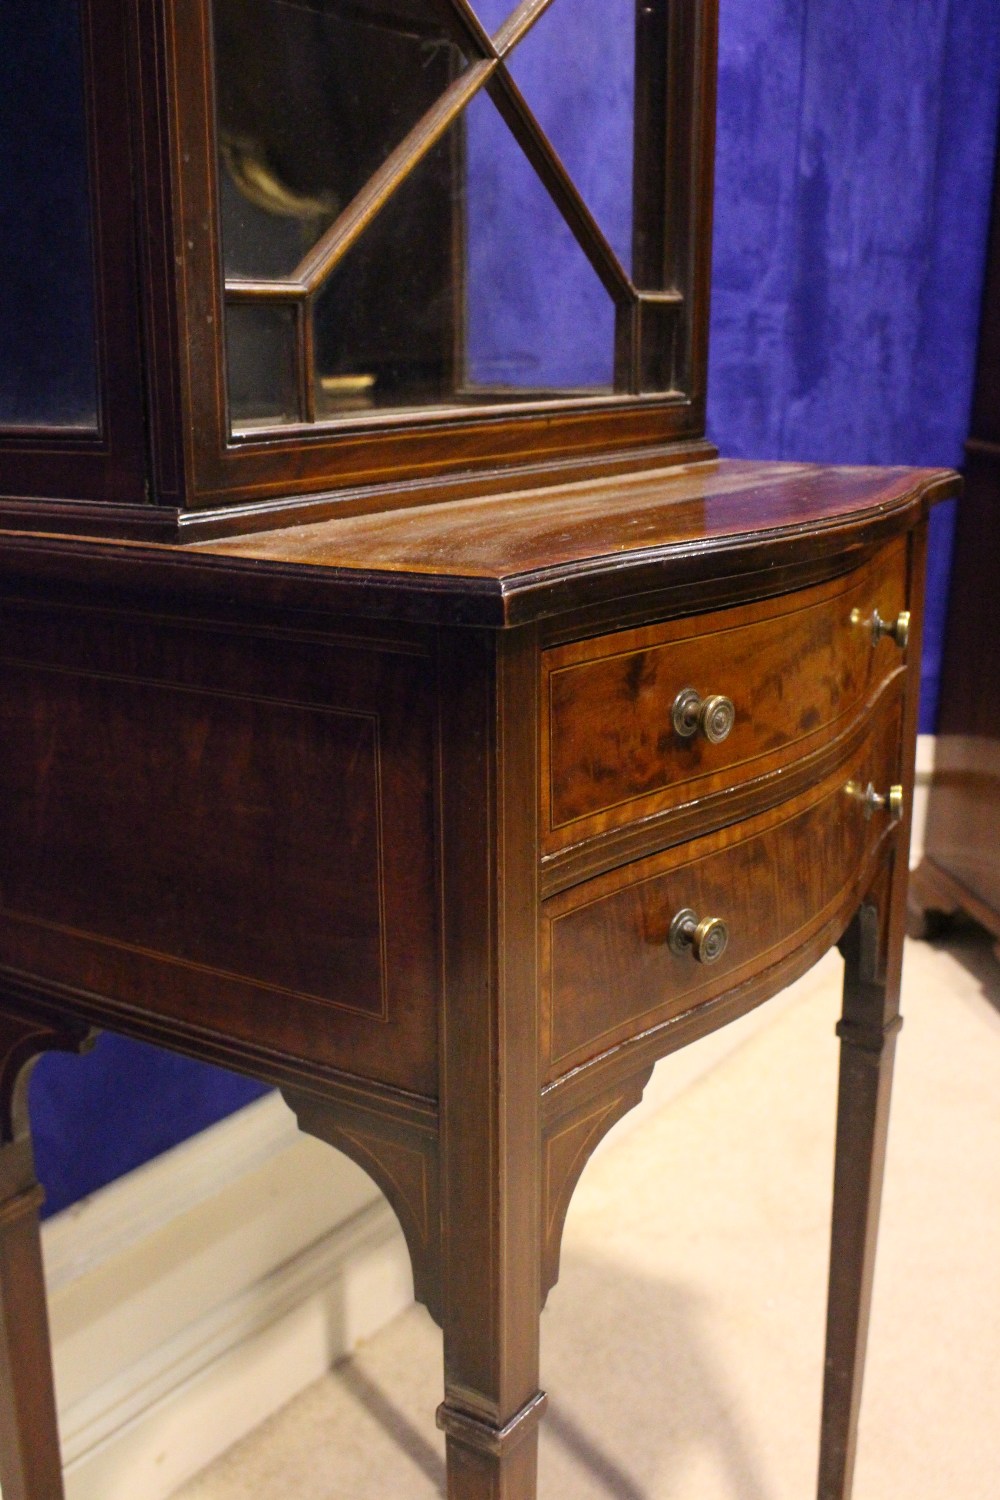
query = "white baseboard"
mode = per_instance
[
  {"x": 921, "y": 791},
  {"x": 194, "y": 1297}
]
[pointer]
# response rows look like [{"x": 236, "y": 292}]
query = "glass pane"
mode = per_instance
[
  {"x": 576, "y": 68},
  {"x": 539, "y": 320},
  {"x": 48, "y": 373},
  {"x": 313, "y": 95},
  {"x": 474, "y": 296},
  {"x": 260, "y": 344},
  {"x": 388, "y": 320},
  {"x": 466, "y": 284}
]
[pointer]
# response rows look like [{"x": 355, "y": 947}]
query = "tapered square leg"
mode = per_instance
[
  {"x": 490, "y": 1130},
  {"x": 868, "y": 1036},
  {"x": 489, "y": 1464},
  {"x": 29, "y": 1440}
]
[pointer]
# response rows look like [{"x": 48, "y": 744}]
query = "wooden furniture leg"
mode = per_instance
[
  {"x": 490, "y": 1131},
  {"x": 492, "y": 1279},
  {"x": 867, "y": 1034},
  {"x": 29, "y": 1439}
]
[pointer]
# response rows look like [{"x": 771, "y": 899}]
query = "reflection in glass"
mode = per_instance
[
  {"x": 482, "y": 299},
  {"x": 464, "y": 273},
  {"x": 48, "y": 373},
  {"x": 312, "y": 97},
  {"x": 388, "y": 320},
  {"x": 260, "y": 346}
]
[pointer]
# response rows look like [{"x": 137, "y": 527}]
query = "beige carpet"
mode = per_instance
[{"x": 682, "y": 1349}]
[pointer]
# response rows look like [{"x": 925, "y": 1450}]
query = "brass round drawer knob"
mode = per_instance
[
  {"x": 890, "y": 801},
  {"x": 873, "y": 801},
  {"x": 897, "y": 630},
  {"x": 705, "y": 940},
  {"x": 713, "y": 716}
]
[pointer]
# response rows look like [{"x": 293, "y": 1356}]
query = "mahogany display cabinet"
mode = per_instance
[{"x": 401, "y": 702}]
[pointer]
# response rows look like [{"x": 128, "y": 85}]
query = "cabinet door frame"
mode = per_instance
[
  {"x": 202, "y": 464},
  {"x": 93, "y": 466}
]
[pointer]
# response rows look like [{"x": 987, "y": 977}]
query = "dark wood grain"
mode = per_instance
[
  {"x": 490, "y": 1095},
  {"x": 868, "y": 1042},
  {"x": 521, "y": 536},
  {"x": 335, "y": 753},
  {"x": 607, "y": 970},
  {"x": 501, "y": 561},
  {"x": 398, "y": 1148},
  {"x": 870, "y": 1021},
  {"x": 792, "y": 670},
  {"x": 318, "y": 846},
  {"x": 29, "y": 1439},
  {"x": 149, "y": 854},
  {"x": 664, "y": 826},
  {"x": 569, "y": 1141}
]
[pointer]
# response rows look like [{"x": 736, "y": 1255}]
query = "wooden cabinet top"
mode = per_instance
[{"x": 511, "y": 558}]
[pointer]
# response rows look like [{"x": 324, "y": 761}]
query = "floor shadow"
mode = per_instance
[
  {"x": 635, "y": 1387},
  {"x": 975, "y": 949},
  {"x": 562, "y": 1427},
  {"x": 404, "y": 1434},
  {"x": 639, "y": 1396},
  {"x": 634, "y": 1390}
]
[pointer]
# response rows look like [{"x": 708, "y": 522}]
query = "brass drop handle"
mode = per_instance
[
  {"x": 873, "y": 801},
  {"x": 713, "y": 716},
  {"x": 705, "y": 940},
  {"x": 898, "y": 629}
]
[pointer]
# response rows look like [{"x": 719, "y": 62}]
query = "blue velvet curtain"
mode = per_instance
[
  {"x": 855, "y": 153},
  {"x": 855, "y": 156}
]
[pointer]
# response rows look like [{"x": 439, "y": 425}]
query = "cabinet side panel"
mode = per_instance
[{"x": 227, "y": 829}]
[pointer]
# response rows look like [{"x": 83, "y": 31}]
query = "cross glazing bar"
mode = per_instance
[
  {"x": 518, "y": 24},
  {"x": 347, "y": 229},
  {"x": 241, "y": 289},
  {"x": 560, "y": 186},
  {"x": 469, "y": 31}
]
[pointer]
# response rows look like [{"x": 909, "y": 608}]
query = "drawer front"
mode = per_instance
[
  {"x": 794, "y": 668},
  {"x": 609, "y": 971}
]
